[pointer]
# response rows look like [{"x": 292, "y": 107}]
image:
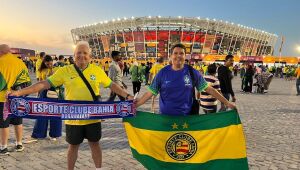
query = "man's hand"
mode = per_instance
[
  {"x": 230, "y": 105},
  {"x": 137, "y": 102},
  {"x": 134, "y": 106},
  {"x": 12, "y": 93},
  {"x": 233, "y": 99},
  {"x": 130, "y": 97}
]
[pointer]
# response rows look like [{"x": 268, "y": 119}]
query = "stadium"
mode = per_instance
[{"x": 151, "y": 37}]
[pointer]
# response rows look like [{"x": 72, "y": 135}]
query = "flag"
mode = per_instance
[{"x": 212, "y": 141}]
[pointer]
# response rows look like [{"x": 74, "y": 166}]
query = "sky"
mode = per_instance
[{"x": 45, "y": 25}]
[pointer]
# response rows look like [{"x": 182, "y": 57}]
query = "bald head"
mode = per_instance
[{"x": 4, "y": 49}]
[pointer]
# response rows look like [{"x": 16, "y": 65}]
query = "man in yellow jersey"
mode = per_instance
[
  {"x": 156, "y": 68},
  {"x": 10, "y": 78},
  {"x": 38, "y": 65},
  {"x": 297, "y": 73},
  {"x": 153, "y": 71},
  {"x": 106, "y": 67},
  {"x": 75, "y": 89},
  {"x": 197, "y": 65}
]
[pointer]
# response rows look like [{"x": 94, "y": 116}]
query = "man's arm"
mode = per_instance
[
  {"x": 117, "y": 89},
  {"x": 223, "y": 78},
  {"x": 220, "y": 97},
  {"x": 112, "y": 73},
  {"x": 150, "y": 78},
  {"x": 232, "y": 93},
  {"x": 144, "y": 99},
  {"x": 198, "y": 95},
  {"x": 42, "y": 85}
]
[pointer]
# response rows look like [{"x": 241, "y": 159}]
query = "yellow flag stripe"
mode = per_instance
[{"x": 221, "y": 143}]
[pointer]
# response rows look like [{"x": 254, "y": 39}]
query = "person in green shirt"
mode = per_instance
[
  {"x": 143, "y": 72},
  {"x": 136, "y": 77}
]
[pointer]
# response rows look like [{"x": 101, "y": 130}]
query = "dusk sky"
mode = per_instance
[{"x": 45, "y": 25}]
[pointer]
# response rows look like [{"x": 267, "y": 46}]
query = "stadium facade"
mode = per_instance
[{"x": 153, "y": 37}]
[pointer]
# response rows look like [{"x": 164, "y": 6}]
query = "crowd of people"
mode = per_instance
[
  {"x": 183, "y": 89},
  {"x": 32, "y": 63}
]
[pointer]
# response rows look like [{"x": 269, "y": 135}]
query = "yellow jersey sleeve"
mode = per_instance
[
  {"x": 57, "y": 79},
  {"x": 105, "y": 81},
  {"x": 23, "y": 77},
  {"x": 48, "y": 72}
]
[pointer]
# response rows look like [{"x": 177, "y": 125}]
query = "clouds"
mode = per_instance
[
  {"x": 51, "y": 42},
  {"x": 26, "y": 28}
]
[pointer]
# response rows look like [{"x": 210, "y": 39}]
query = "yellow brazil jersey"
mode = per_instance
[
  {"x": 270, "y": 69},
  {"x": 155, "y": 69},
  {"x": 75, "y": 88},
  {"x": 204, "y": 69},
  {"x": 47, "y": 72},
  {"x": 285, "y": 69},
  {"x": 37, "y": 66},
  {"x": 197, "y": 67},
  {"x": 297, "y": 72},
  {"x": 11, "y": 76}
]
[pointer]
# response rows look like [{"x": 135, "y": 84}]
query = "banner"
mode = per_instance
[
  {"x": 33, "y": 108},
  {"x": 211, "y": 142}
]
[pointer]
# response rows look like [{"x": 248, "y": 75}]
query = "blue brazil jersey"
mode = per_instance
[{"x": 175, "y": 88}]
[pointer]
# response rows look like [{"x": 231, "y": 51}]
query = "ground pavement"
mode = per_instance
[{"x": 271, "y": 124}]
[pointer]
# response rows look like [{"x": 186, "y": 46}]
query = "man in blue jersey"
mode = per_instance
[{"x": 175, "y": 85}]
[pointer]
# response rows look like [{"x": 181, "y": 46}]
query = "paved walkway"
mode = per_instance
[{"x": 271, "y": 124}]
